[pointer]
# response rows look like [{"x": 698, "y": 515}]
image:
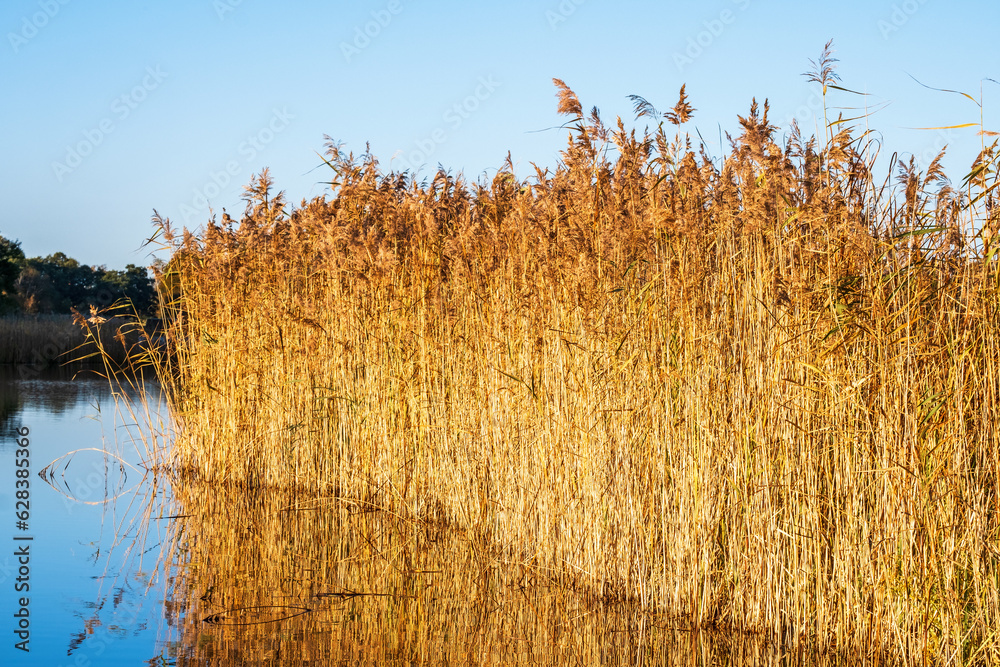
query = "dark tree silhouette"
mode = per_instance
[{"x": 11, "y": 260}]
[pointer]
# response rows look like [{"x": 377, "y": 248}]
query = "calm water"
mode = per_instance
[
  {"x": 94, "y": 596},
  {"x": 121, "y": 572}
]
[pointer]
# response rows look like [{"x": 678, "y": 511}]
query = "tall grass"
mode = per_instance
[
  {"x": 38, "y": 342},
  {"x": 761, "y": 394}
]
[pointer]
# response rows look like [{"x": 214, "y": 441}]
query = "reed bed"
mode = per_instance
[
  {"x": 37, "y": 339},
  {"x": 39, "y": 342},
  {"x": 759, "y": 393}
]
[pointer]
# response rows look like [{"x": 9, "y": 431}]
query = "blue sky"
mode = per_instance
[{"x": 115, "y": 108}]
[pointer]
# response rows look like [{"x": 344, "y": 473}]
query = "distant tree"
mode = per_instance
[
  {"x": 11, "y": 262},
  {"x": 35, "y": 291},
  {"x": 74, "y": 281},
  {"x": 134, "y": 284},
  {"x": 57, "y": 283}
]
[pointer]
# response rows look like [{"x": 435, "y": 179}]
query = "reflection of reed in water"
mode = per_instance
[
  {"x": 271, "y": 578},
  {"x": 10, "y": 406}
]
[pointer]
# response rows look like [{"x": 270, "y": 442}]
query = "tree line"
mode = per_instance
[{"x": 58, "y": 283}]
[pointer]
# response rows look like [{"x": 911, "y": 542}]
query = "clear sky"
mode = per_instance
[{"x": 114, "y": 108}]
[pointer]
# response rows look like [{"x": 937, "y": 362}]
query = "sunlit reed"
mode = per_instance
[{"x": 758, "y": 392}]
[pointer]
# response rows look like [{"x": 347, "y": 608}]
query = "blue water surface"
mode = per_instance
[{"x": 96, "y": 584}]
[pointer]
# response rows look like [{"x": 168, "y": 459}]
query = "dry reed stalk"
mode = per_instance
[{"x": 760, "y": 395}]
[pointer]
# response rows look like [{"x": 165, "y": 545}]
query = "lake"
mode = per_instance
[
  {"x": 91, "y": 545},
  {"x": 121, "y": 568}
]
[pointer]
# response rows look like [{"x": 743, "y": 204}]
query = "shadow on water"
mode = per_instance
[{"x": 269, "y": 578}]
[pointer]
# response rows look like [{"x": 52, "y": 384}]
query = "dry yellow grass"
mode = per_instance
[{"x": 760, "y": 395}]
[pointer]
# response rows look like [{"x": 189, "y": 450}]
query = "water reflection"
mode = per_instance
[
  {"x": 131, "y": 572},
  {"x": 10, "y": 406},
  {"x": 55, "y": 390},
  {"x": 272, "y": 578},
  {"x": 95, "y": 596}
]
